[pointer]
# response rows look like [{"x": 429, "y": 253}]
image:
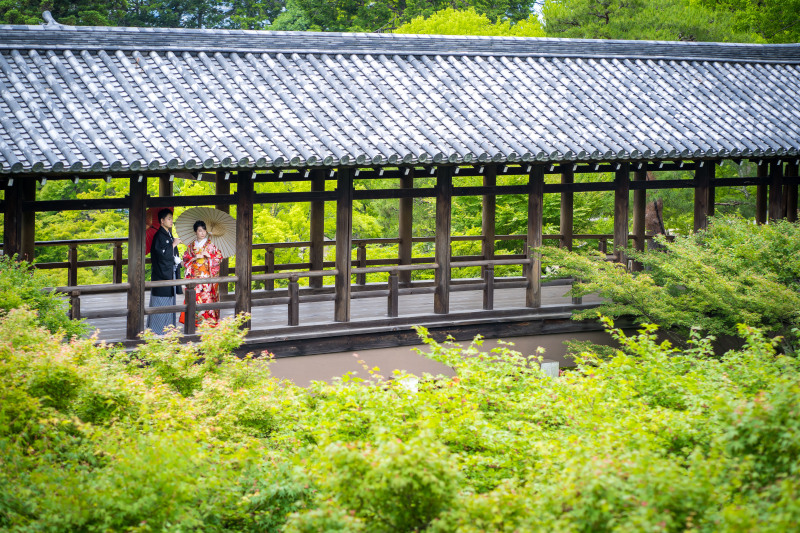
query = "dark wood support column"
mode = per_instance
[
  {"x": 622, "y": 182},
  {"x": 761, "y": 194},
  {"x": 712, "y": 188},
  {"x": 316, "y": 252},
  {"x": 222, "y": 186},
  {"x": 28, "y": 221},
  {"x": 488, "y": 212},
  {"x": 533, "y": 292},
  {"x": 567, "y": 199},
  {"x": 344, "y": 243},
  {"x": 791, "y": 192},
  {"x": 702, "y": 183},
  {"x": 776, "y": 190},
  {"x": 639, "y": 210},
  {"x": 444, "y": 197},
  {"x": 405, "y": 228},
  {"x": 137, "y": 208},
  {"x": 244, "y": 242},
  {"x": 165, "y": 187},
  {"x": 12, "y": 221}
]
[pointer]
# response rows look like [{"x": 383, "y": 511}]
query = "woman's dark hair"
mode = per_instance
[
  {"x": 163, "y": 214},
  {"x": 200, "y": 224}
]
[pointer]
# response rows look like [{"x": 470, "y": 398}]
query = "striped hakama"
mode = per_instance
[{"x": 158, "y": 322}]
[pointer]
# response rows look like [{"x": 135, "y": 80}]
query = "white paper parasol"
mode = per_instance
[{"x": 220, "y": 225}]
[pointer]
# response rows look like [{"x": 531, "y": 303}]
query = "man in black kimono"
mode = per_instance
[{"x": 165, "y": 259}]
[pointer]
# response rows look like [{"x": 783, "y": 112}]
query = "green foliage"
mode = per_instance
[
  {"x": 648, "y": 438},
  {"x": 19, "y": 287},
  {"x": 471, "y": 22},
  {"x": 735, "y": 272}
]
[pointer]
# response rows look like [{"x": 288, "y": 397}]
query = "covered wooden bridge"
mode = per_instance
[{"x": 240, "y": 108}]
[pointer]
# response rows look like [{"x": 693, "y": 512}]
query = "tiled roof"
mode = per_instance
[{"x": 78, "y": 99}]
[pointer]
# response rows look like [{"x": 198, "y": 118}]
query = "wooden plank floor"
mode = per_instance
[{"x": 362, "y": 309}]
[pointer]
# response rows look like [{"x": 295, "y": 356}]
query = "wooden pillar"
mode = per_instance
[
  {"x": 712, "y": 188},
  {"x": 28, "y": 221},
  {"x": 622, "y": 183},
  {"x": 137, "y": 208},
  {"x": 316, "y": 252},
  {"x": 761, "y": 194},
  {"x": 405, "y": 227},
  {"x": 165, "y": 187},
  {"x": 12, "y": 222},
  {"x": 702, "y": 182},
  {"x": 776, "y": 190},
  {"x": 639, "y": 210},
  {"x": 533, "y": 291},
  {"x": 244, "y": 242},
  {"x": 567, "y": 198},
  {"x": 488, "y": 213},
  {"x": 791, "y": 191},
  {"x": 344, "y": 242},
  {"x": 223, "y": 186},
  {"x": 444, "y": 196}
]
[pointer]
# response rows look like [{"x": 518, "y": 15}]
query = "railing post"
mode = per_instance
[
  {"x": 12, "y": 222},
  {"x": 488, "y": 212},
  {"x": 567, "y": 201},
  {"x": 361, "y": 258},
  {"x": 222, "y": 186},
  {"x": 269, "y": 267},
  {"x": 639, "y": 211},
  {"x": 190, "y": 315},
  {"x": 761, "y": 193},
  {"x": 602, "y": 245},
  {"x": 405, "y": 226},
  {"x": 136, "y": 230},
  {"x": 576, "y": 300},
  {"x": 702, "y": 182},
  {"x": 294, "y": 301},
  {"x": 72, "y": 269},
  {"x": 444, "y": 196},
  {"x": 393, "y": 303},
  {"x": 117, "y": 262},
  {"x": 244, "y": 242},
  {"x": 316, "y": 252},
  {"x": 776, "y": 190},
  {"x": 791, "y": 191},
  {"x": 75, "y": 305},
  {"x": 344, "y": 241},
  {"x": 622, "y": 180},
  {"x": 533, "y": 290},
  {"x": 488, "y": 287}
]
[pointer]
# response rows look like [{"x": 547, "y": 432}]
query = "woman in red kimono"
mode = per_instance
[{"x": 202, "y": 260}]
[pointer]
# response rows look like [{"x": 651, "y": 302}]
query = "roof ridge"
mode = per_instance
[{"x": 55, "y": 36}]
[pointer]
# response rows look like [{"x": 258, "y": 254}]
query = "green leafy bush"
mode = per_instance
[
  {"x": 21, "y": 287},
  {"x": 733, "y": 273}
]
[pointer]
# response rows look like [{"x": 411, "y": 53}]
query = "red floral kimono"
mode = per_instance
[{"x": 200, "y": 265}]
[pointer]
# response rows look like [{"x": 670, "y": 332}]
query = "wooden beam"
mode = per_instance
[
  {"x": 244, "y": 242},
  {"x": 639, "y": 210},
  {"x": 316, "y": 216},
  {"x": 222, "y": 188},
  {"x": 761, "y": 194},
  {"x": 444, "y": 197},
  {"x": 488, "y": 214},
  {"x": 533, "y": 291},
  {"x": 137, "y": 207},
  {"x": 344, "y": 243},
  {"x": 405, "y": 227},
  {"x": 702, "y": 183},
  {"x": 12, "y": 222},
  {"x": 776, "y": 190},
  {"x": 791, "y": 191},
  {"x": 621, "y": 200},
  {"x": 566, "y": 218},
  {"x": 28, "y": 221}
]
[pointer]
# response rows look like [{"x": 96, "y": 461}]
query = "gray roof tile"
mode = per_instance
[{"x": 113, "y": 99}]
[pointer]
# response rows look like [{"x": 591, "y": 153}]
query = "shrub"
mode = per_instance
[{"x": 21, "y": 287}]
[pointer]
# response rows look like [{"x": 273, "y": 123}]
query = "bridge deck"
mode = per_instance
[{"x": 369, "y": 322}]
